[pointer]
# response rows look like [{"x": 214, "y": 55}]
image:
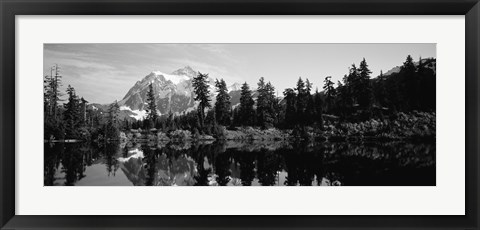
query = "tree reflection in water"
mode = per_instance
[{"x": 240, "y": 163}]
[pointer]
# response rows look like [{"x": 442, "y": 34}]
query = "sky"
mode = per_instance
[{"x": 102, "y": 73}]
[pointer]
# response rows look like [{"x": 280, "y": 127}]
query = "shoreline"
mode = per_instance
[{"x": 417, "y": 126}]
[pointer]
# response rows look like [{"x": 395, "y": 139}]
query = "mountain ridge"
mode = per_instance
[{"x": 173, "y": 92}]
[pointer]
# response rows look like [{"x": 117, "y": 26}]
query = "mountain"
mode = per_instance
[
  {"x": 173, "y": 92},
  {"x": 235, "y": 87}
]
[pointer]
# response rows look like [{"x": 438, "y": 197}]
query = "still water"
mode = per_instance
[{"x": 240, "y": 164}]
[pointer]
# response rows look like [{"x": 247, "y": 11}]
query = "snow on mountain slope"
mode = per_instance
[
  {"x": 234, "y": 87},
  {"x": 173, "y": 92},
  {"x": 175, "y": 79}
]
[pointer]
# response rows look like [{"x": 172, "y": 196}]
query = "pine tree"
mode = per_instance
[
  {"x": 55, "y": 84},
  {"x": 222, "y": 104},
  {"x": 353, "y": 84},
  {"x": 51, "y": 84},
  {"x": 47, "y": 96},
  {"x": 112, "y": 126},
  {"x": 152, "y": 114},
  {"x": 408, "y": 65},
  {"x": 330, "y": 93},
  {"x": 310, "y": 107},
  {"x": 318, "y": 104},
  {"x": 380, "y": 91},
  {"x": 261, "y": 102},
  {"x": 265, "y": 104},
  {"x": 301, "y": 102},
  {"x": 290, "y": 110},
  {"x": 273, "y": 107},
  {"x": 201, "y": 90},
  {"x": 364, "y": 87},
  {"x": 72, "y": 114},
  {"x": 246, "y": 111},
  {"x": 308, "y": 86},
  {"x": 343, "y": 98},
  {"x": 409, "y": 84},
  {"x": 420, "y": 67},
  {"x": 51, "y": 97}
]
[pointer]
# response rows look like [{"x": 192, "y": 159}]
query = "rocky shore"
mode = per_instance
[{"x": 416, "y": 125}]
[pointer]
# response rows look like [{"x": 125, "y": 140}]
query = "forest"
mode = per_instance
[{"x": 401, "y": 104}]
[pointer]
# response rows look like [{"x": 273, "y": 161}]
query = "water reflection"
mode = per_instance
[{"x": 240, "y": 164}]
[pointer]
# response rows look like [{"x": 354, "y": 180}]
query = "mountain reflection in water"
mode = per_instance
[{"x": 240, "y": 164}]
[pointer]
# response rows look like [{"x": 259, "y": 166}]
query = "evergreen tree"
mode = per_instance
[
  {"x": 246, "y": 111},
  {"x": 201, "y": 90},
  {"x": 364, "y": 87},
  {"x": 408, "y": 65},
  {"x": 379, "y": 90},
  {"x": 409, "y": 84},
  {"x": 420, "y": 67},
  {"x": 72, "y": 114},
  {"x": 301, "y": 101},
  {"x": 290, "y": 110},
  {"x": 265, "y": 104},
  {"x": 55, "y": 84},
  {"x": 330, "y": 93},
  {"x": 112, "y": 131},
  {"x": 273, "y": 107},
  {"x": 310, "y": 107},
  {"x": 261, "y": 102},
  {"x": 222, "y": 104},
  {"x": 318, "y": 104},
  {"x": 353, "y": 84},
  {"x": 152, "y": 114},
  {"x": 47, "y": 96}
]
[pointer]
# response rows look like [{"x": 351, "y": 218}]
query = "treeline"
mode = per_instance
[
  {"x": 73, "y": 120},
  {"x": 356, "y": 98}
]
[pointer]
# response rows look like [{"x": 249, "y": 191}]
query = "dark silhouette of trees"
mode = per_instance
[
  {"x": 222, "y": 103},
  {"x": 380, "y": 91},
  {"x": 358, "y": 97},
  {"x": 266, "y": 104},
  {"x": 330, "y": 93},
  {"x": 318, "y": 105},
  {"x": 246, "y": 111},
  {"x": 52, "y": 93},
  {"x": 72, "y": 114},
  {"x": 310, "y": 110},
  {"x": 301, "y": 101},
  {"x": 364, "y": 90},
  {"x": 290, "y": 110},
  {"x": 53, "y": 123},
  {"x": 202, "y": 92},
  {"x": 412, "y": 88}
]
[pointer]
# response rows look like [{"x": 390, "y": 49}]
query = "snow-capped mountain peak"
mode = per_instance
[
  {"x": 174, "y": 78},
  {"x": 234, "y": 87},
  {"x": 185, "y": 71},
  {"x": 173, "y": 92}
]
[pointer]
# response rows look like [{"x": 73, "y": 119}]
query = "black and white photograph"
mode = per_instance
[{"x": 239, "y": 114}]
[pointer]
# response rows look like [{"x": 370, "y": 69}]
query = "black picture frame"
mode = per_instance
[{"x": 10, "y": 8}]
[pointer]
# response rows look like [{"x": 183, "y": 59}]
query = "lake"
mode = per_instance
[{"x": 234, "y": 163}]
